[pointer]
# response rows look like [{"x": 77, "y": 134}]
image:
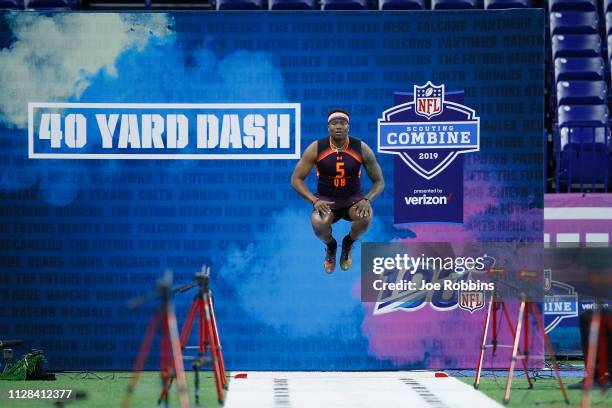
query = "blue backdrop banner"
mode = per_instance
[{"x": 132, "y": 143}]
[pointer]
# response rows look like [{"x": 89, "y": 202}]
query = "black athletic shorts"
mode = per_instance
[{"x": 341, "y": 206}]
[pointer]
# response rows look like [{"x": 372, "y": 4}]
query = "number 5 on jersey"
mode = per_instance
[{"x": 339, "y": 180}]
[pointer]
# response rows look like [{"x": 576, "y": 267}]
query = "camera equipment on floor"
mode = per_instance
[{"x": 28, "y": 367}]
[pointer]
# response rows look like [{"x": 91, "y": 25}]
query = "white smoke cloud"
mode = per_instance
[{"x": 51, "y": 57}]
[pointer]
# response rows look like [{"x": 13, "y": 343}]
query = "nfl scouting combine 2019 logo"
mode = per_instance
[
  {"x": 560, "y": 303},
  {"x": 428, "y": 130}
]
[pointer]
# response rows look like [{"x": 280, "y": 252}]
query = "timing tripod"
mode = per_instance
[
  {"x": 208, "y": 335},
  {"x": 526, "y": 309},
  {"x": 171, "y": 362},
  {"x": 492, "y": 311},
  {"x": 594, "y": 352}
]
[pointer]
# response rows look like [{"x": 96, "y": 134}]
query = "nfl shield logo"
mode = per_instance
[
  {"x": 428, "y": 99},
  {"x": 471, "y": 301}
]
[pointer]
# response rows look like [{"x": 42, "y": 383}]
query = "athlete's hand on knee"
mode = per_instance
[
  {"x": 322, "y": 206},
  {"x": 363, "y": 208}
]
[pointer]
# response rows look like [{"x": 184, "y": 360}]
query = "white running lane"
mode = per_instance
[{"x": 410, "y": 389}]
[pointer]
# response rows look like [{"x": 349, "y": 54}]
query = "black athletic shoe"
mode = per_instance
[
  {"x": 346, "y": 260},
  {"x": 330, "y": 257}
]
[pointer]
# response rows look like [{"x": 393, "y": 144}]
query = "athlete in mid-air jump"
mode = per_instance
[{"x": 338, "y": 158}]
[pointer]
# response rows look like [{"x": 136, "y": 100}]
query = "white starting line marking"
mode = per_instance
[{"x": 413, "y": 389}]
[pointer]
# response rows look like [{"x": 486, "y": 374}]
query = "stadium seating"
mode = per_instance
[
  {"x": 582, "y": 145},
  {"x": 503, "y": 4},
  {"x": 576, "y": 45},
  {"x": 583, "y": 115},
  {"x": 584, "y": 158},
  {"x": 51, "y": 4},
  {"x": 401, "y": 4},
  {"x": 582, "y": 93},
  {"x": 174, "y": 4},
  {"x": 579, "y": 69},
  {"x": 11, "y": 4},
  {"x": 609, "y": 23},
  {"x": 506, "y": 4},
  {"x": 574, "y": 22},
  {"x": 453, "y": 4},
  {"x": 344, "y": 5},
  {"x": 292, "y": 4},
  {"x": 581, "y": 135},
  {"x": 572, "y": 5},
  {"x": 239, "y": 4}
]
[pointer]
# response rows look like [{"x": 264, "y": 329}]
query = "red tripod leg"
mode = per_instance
[
  {"x": 177, "y": 356},
  {"x": 202, "y": 329},
  {"x": 515, "y": 349},
  {"x": 213, "y": 353},
  {"x": 526, "y": 338},
  {"x": 145, "y": 346},
  {"x": 217, "y": 341},
  {"x": 494, "y": 338},
  {"x": 602, "y": 354},
  {"x": 483, "y": 342},
  {"x": 185, "y": 333},
  {"x": 538, "y": 318},
  {"x": 165, "y": 371},
  {"x": 523, "y": 362},
  {"x": 191, "y": 314},
  {"x": 590, "y": 363}
]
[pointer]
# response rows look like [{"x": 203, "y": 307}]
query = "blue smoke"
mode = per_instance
[{"x": 280, "y": 280}]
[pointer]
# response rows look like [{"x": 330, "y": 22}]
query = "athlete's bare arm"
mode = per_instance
[
  {"x": 373, "y": 171},
  {"x": 302, "y": 170},
  {"x": 363, "y": 207}
]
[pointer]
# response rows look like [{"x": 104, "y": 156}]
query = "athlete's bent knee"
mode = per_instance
[
  {"x": 356, "y": 218},
  {"x": 325, "y": 219},
  {"x": 363, "y": 221},
  {"x": 321, "y": 224}
]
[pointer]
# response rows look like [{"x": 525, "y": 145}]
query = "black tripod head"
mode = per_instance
[
  {"x": 200, "y": 279},
  {"x": 4, "y": 344},
  {"x": 164, "y": 287},
  {"x": 163, "y": 291},
  {"x": 203, "y": 278}
]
